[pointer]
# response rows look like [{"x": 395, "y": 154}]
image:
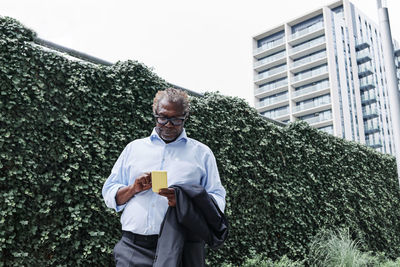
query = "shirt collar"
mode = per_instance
[{"x": 154, "y": 136}]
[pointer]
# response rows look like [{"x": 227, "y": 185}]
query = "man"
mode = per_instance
[{"x": 128, "y": 188}]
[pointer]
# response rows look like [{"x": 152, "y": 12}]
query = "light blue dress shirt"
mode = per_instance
[{"x": 186, "y": 161}]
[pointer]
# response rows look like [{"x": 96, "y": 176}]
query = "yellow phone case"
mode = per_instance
[{"x": 158, "y": 180}]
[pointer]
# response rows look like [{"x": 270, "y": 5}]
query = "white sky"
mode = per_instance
[{"x": 203, "y": 45}]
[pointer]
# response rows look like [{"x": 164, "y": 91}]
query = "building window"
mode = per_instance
[
  {"x": 317, "y": 117},
  {"x": 316, "y": 101},
  {"x": 309, "y": 58},
  {"x": 309, "y": 43},
  {"x": 308, "y": 23},
  {"x": 278, "y": 112},
  {"x": 271, "y": 38},
  {"x": 310, "y": 72},
  {"x": 270, "y": 100},
  {"x": 327, "y": 129}
]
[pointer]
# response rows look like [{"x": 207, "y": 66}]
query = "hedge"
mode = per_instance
[{"x": 64, "y": 122}]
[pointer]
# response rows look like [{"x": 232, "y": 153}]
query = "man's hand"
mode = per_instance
[
  {"x": 142, "y": 183},
  {"x": 170, "y": 194}
]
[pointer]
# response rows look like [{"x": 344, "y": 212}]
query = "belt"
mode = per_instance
[{"x": 136, "y": 238}]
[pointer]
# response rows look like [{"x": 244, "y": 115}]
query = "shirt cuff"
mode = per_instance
[
  {"x": 111, "y": 201},
  {"x": 220, "y": 201}
]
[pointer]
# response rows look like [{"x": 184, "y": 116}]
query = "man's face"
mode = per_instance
[{"x": 166, "y": 109}]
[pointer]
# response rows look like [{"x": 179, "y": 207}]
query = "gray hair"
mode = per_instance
[{"x": 172, "y": 95}]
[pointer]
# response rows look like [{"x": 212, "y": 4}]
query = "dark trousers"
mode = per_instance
[{"x": 135, "y": 250}]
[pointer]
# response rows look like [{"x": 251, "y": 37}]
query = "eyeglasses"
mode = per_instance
[{"x": 164, "y": 120}]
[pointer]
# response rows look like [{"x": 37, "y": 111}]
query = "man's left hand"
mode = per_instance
[{"x": 170, "y": 194}]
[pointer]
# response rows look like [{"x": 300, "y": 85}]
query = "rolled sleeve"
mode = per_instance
[
  {"x": 114, "y": 182},
  {"x": 212, "y": 181},
  {"x": 109, "y": 196}
]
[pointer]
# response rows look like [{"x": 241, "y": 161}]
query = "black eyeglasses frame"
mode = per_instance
[{"x": 182, "y": 119}]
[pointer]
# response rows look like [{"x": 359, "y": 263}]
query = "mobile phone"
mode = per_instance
[{"x": 159, "y": 180}]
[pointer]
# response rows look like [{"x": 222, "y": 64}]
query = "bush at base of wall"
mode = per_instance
[{"x": 63, "y": 124}]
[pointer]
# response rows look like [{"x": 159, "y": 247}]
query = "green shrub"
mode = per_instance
[
  {"x": 258, "y": 261},
  {"x": 337, "y": 248},
  {"x": 332, "y": 249},
  {"x": 63, "y": 124},
  {"x": 390, "y": 263},
  {"x": 329, "y": 249}
]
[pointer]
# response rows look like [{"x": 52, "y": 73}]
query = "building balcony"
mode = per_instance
[
  {"x": 362, "y": 44},
  {"x": 373, "y": 143},
  {"x": 363, "y": 56},
  {"x": 279, "y": 115},
  {"x": 366, "y": 84},
  {"x": 370, "y": 113},
  {"x": 307, "y": 48},
  {"x": 271, "y": 75},
  {"x": 322, "y": 123},
  {"x": 327, "y": 130},
  {"x": 309, "y": 59},
  {"x": 272, "y": 88},
  {"x": 317, "y": 120},
  {"x": 310, "y": 106},
  {"x": 310, "y": 76},
  {"x": 270, "y": 61},
  {"x": 272, "y": 103},
  {"x": 368, "y": 98},
  {"x": 311, "y": 92},
  {"x": 269, "y": 48},
  {"x": 364, "y": 70},
  {"x": 272, "y": 100},
  {"x": 369, "y": 129},
  {"x": 308, "y": 64},
  {"x": 311, "y": 79},
  {"x": 307, "y": 33},
  {"x": 282, "y": 117}
]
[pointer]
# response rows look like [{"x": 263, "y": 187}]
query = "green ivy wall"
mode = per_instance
[{"x": 63, "y": 124}]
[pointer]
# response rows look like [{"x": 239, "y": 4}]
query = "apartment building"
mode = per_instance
[{"x": 326, "y": 68}]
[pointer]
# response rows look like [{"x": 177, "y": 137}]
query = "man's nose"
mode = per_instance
[{"x": 169, "y": 124}]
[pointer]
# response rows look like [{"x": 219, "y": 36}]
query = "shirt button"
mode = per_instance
[{"x": 152, "y": 205}]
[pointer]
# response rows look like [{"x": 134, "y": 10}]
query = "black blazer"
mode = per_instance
[{"x": 195, "y": 220}]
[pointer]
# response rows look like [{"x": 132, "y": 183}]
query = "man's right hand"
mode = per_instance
[{"x": 142, "y": 183}]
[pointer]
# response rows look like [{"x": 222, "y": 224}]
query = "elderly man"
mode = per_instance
[{"x": 187, "y": 162}]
